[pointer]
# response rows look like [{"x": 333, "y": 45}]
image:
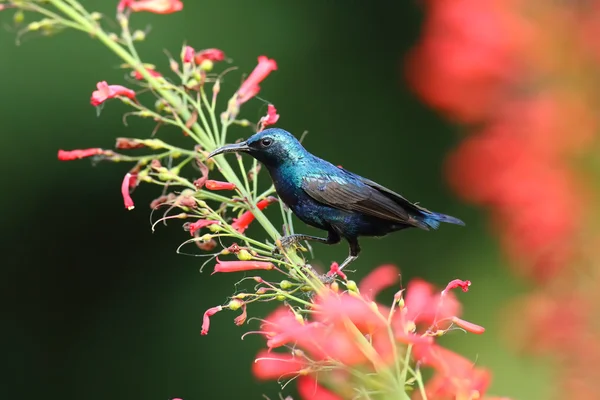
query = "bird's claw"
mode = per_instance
[{"x": 285, "y": 243}]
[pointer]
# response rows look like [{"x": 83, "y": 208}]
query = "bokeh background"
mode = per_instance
[{"x": 99, "y": 307}]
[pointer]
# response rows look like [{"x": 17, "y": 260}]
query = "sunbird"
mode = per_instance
[{"x": 329, "y": 197}]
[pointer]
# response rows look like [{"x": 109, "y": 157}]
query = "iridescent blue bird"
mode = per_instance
[{"x": 331, "y": 198}]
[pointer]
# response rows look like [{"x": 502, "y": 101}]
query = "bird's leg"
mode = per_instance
[
  {"x": 354, "y": 250},
  {"x": 290, "y": 240}
]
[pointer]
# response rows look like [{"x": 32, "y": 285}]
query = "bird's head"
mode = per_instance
[{"x": 271, "y": 147}]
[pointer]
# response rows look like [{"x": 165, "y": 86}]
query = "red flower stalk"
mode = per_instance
[
  {"x": 201, "y": 223},
  {"x": 250, "y": 87},
  {"x": 125, "y": 191},
  {"x": 64, "y": 155},
  {"x": 218, "y": 185},
  {"x": 270, "y": 119},
  {"x": 106, "y": 92},
  {"x": 138, "y": 75},
  {"x": 209, "y": 54},
  {"x": 241, "y": 224},
  {"x": 238, "y": 266},
  {"x": 153, "y": 6},
  {"x": 206, "y": 319}
]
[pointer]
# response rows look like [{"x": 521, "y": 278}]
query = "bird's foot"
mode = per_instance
[{"x": 287, "y": 242}]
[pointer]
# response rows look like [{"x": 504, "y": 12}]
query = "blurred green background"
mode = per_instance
[{"x": 99, "y": 307}]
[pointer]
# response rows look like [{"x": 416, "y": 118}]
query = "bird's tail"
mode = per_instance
[{"x": 433, "y": 219}]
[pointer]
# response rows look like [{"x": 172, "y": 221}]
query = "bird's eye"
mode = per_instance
[{"x": 266, "y": 142}]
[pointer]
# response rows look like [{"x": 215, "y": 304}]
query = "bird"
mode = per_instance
[{"x": 329, "y": 197}]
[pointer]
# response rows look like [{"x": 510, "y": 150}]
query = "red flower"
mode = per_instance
[
  {"x": 138, "y": 75},
  {"x": 468, "y": 326},
  {"x": 309, "y": 389},
  {"x": 250, "y": 87},
  {"x": 218, "y": 185},
  {"x": 238, "y": 266},
  {"x": 188, "y": 54},
  {"x": 455, "y": 376},
  {"x": 241, "y": 224},
  {"x": 463, "y": 69},
  {"x": 425, "y": 306},
  {"x": 201, "y": 223},
  {"x": 209, "y": 54},
  {"x": 153, "y": 6},
  {"x": 270, "y": 119},
  {"x": 380, "y": 278},
  {"x": 206, "y": 319},
  {"x": 125, "y": 191},
  {"x": 268, "y": 365},
  {"x": 77, "y": 154},
  {"x": 106, "y": 92},
  {"x": 335, "y": 270}
]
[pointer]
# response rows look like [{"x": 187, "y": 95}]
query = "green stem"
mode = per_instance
[{"x": 175, "y": 102}]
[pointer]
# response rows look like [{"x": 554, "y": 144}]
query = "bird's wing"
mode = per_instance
[
  {"x": 392, "y": 195},
  {"x": 351, "y": 194}
]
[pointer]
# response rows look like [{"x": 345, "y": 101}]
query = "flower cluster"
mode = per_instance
[
  {"x": 522, "y": 76},
  {"x": 340, "y": 342},
  {"x": 343, "y": 332}
]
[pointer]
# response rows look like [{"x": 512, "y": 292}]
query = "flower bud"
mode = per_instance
[
  {"x": 306, "y": 289},
  {"x": 96, "y": 16},
  {"x": 19, "y": 17},
  {"x": 335, "y": 286},
  {"x": 280, "y": 297},
  {"x": 244, "y": 255},
  {"x": 206, "y": 237},
  {"x": 285, "y": 285},
  {"x": 351, "y": 286},
  {"x": 214, "y": 228},
  {"x": 138, "y": 36},
  {"x": 207, "y": 65},
  {"x": 235, "y": 304}
]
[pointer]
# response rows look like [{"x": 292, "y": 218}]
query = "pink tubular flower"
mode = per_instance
[
  {"x": 201, "y": 223},
  {"x": 70, "y": 155},
  {"x": 250, "y": 87},
  {"x": 206, "y": 318},
  {"x": 153, "y": 6},
  {"x": 309, "y": 389},
  {"x": 464, "y": 285},
  {"x": 335, "y": 270},
  {"x": 106, "y": 92},
  {"x": 125, "y": 191},
  {"x": 268, "y": 365},
  {"x": 380, "y": 278},
  {"x": 209, "y": 54},
  {"x": 455, "y": 377},
  {"x": 468, "y": 326},
  {"x": 218, "y": 185},
  {"x": 270, "y": 119},
  {"x": 138, "y": 75},
  {"x": 238, "y": 266},
  {"x": 188, "y": 54},
  {"x": 241, "y": 224}
]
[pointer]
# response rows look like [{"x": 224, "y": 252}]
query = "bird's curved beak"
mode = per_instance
[{"x": 231, "y": 148}]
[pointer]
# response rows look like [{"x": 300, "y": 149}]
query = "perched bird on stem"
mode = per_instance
[{"x": 331, "y": 198}]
